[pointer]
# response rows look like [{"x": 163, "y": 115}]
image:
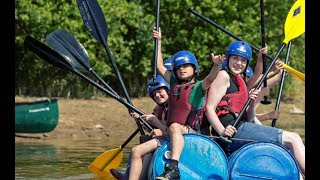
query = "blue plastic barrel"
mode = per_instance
[
  {"x": 201, "y": 158},
  {"x": 263, "y": 160}
]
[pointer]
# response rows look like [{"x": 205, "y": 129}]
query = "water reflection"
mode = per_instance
[{"x": 67, "y": 159}]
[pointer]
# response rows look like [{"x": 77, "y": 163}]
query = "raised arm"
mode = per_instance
[
  {"x": 278, "y": 65},
  {"x": 161, "y": 69},
  {"x": 217, "y": 60},
  {"x": 258, "y": 70}
]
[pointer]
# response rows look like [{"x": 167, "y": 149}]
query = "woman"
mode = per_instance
[{"x": 226, "y": 97}]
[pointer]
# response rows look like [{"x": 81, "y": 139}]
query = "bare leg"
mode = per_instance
[
  {"x": 294, "y": 143},
  {"x": 177, "y": 141},
  {"x": 136, "y": 157}
]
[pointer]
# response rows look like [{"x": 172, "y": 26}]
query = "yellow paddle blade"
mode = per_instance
[
  {"x": 103, "y": 163},
  {"x": 295, "y": 21},
  {"x": 294, "y": 72}
]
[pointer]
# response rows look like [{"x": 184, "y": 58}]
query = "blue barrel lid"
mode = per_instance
[
  {"x": 263, "y": 160},
  {"x": 201, "y": 158}
]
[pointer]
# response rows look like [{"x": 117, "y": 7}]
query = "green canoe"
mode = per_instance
[{"x": 36, "y": 117}]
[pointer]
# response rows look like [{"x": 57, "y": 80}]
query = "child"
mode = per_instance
[
  {"x": 185, "y": 100},
  {"x": 159, "y": 93}
]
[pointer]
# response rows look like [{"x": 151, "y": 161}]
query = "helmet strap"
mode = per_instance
[{"x": 180, "y": 81}]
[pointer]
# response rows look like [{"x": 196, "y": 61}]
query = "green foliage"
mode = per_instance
[{"x": 130, "y": 40}]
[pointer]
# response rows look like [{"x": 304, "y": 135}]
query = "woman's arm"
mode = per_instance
[{"x": 217, "y": 90}]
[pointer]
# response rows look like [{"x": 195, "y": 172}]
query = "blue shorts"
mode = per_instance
[{"x": 252, "y": 131}]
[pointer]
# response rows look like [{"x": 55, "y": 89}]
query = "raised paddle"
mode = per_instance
[
  {"x": 225, "y": 30},
  {"x": 294, "y": 27},
  {"x": 288, "y": 68},
  {"x": 265, "y": 100},
  {"x": 111, "y": 158},
  {"x": 65, "y": 44},
  {"x": 155, "y": 53},
  {"x": 95, "y": 22},
  {"x": 277, "y": 107}
]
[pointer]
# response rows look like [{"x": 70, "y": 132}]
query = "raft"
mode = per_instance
[
  {"x": 262, "y": 160},
  {"x": 201, "y": 158}
]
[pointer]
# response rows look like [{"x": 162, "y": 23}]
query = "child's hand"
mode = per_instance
[
  {"x": 277, "y": 66},
  {"x": 156, "y": 133},
  {"x": 135, "y": 115},
  {"x": 274, "y": 114},
  {"x": 156, "y": 34},
  {"x": 263, "y": 50},
  {"x": 148, "y": 117},
  {"x": 218, "y": 59}
]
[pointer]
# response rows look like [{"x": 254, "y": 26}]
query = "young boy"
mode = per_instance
[
  {"x": 159, "y": 94},
  {"x": 185, "y": 100}
]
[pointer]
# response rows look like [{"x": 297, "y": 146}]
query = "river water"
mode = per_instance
[{"x": 64, "y": 159}]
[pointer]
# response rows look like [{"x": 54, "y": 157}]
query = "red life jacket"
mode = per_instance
[
  {"x": 160, "y": 112},
  {"x": 179, "y": 109},
  {"x": 234, "y": 102}
]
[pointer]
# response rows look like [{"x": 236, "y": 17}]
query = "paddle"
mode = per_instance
[
  {"x": 286, "y": 67},
  {"x": 299, "y": 75},
  {"x": 265, "y": 100},
  {"x": 94, "y": 20},
  {"x": 294, "y": 27},
  {"x": 155, "y": 53},
  {"x": 114, "y": 157},
  {"x": 277, "y": 107},
  {"x": 294, "y": 72},
  {"x": 65, "y": 44}
]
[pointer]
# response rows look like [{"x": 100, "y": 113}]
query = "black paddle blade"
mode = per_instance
[
  {"x": 266, "y": 101},
  {"x": 44, "y": 52},
  {"x": 94, "y": 19},
  {"x": 65, "y": 44}
]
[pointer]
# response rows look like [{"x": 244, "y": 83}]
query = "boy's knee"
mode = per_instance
[
  {"x": 135, "y": 152},
  {"x": 174, "y": 126}
]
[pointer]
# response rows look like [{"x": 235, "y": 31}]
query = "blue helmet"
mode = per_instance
[
  {"x": 224, "y": 65},
  {"x": 185, "y": 57},
  {"x": 162, "y": 83},
  {"x": 239, "y": 48},
  {"x": 167, "y": 64},
  {"x": 249, "y": 72}
]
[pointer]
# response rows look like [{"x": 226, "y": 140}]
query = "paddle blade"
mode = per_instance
[
  {"x": 295, "y": 21},
  {"x": 294, "y": 72},
  {"x": 65, "y": 44},
  {"x": 103, "y": 163},
  {"x": 94, "y": 19},
  {"x": 44, "y": 52}
]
